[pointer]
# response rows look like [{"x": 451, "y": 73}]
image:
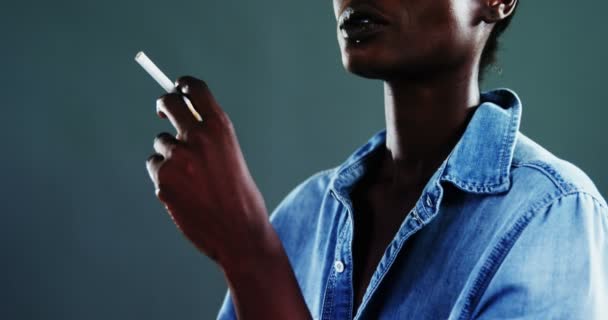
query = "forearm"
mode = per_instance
[{"x": 266, "y": 287}]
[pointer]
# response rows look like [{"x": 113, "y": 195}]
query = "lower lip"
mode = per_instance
[{"x": 359, "y": 33}]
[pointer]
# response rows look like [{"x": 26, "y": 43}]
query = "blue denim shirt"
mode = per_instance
[{"x": 503, "y": 230}]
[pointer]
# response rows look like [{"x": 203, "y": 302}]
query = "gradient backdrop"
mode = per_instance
[{"x": 82, "y": 235}]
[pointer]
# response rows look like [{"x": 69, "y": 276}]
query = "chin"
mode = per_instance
[
  {"x": 372, "y": 59},
  {"x": 387, "y": 58},
  {"x": 371, "y": 66},
  {"x": 390, "y": 65},
  {"x": 364, "y": 70}
]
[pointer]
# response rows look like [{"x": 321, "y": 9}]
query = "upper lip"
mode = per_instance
[{"x": 361, "y": 12}]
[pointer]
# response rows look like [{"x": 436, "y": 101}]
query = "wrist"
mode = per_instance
[
  {"x": 257, "y": 257},
  {"x": 263, "y": 284}
]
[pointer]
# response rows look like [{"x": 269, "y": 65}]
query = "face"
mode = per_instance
[{"x": 394, "y": 38}]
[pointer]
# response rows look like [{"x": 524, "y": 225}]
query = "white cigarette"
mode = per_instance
[{"x": 162, "y": 79}]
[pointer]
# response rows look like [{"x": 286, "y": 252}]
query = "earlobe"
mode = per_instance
[
  {"x": 494, "y": 13},
  {"x": 497, "y": 10}
]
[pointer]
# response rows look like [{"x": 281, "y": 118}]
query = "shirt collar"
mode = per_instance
[{"x": 481, "y": 160}]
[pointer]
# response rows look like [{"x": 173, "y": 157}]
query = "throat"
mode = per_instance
[{"x": 424, "y": 120}]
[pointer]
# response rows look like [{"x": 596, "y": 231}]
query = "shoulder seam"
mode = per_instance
[
  {"x": 552, "y": 174},
  {"x": 324, "y": 172},
  {"x": 317, "y": 175},
  {"x": 507, "y": 241},
  {"x": 602, "y": 203}
]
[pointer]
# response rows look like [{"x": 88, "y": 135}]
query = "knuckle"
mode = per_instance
[
  {"x": 163, "y": 137},
  {"x": 154, "y": 158},
  {"x": 161, "y": 99},
  {"x": 188, "y": 83},
  {"x": 150, "y": 158},
  {"x": 174, "y": 152},
  {"x": 163, "y": 141},
  {"x": 161, "y": 192},
  {"x": 167, "y": 99}
]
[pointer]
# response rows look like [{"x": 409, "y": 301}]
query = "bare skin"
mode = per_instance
[{"x": 427, "y": 55}]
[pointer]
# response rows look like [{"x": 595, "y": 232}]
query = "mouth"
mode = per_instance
[{"x": 360, "y": 23}]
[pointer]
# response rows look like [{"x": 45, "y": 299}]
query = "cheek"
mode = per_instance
[
  {"x": 434, "y": 36},
  {"x": 463, "y": 21}
]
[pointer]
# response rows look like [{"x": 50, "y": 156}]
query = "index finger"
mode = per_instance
[{"x": 174, "y": 107}]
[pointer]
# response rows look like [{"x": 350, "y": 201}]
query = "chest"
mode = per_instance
[
  {"x": 427, "y": 268},
  {"x": 377, "y": 219}
]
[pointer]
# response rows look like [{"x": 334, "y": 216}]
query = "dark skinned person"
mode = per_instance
[{"x": 449, "y": 212}]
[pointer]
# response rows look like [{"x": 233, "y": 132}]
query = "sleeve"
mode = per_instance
[
  {"x": 227, "y": 311},
  {"x": 557, "y": 269}
]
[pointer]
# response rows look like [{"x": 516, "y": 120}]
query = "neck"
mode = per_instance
[{"x": 424, "y": 120}]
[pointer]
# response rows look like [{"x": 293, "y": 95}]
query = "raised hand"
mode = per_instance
[{"x": 201, "y": 177}]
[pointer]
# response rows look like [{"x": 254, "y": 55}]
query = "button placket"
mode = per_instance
[
  {"x": 416, "y": 216},
  {"x": 334, "y": 288},
  {"x": 342, "y": 249},
  {"x": 342, "y": 275}
]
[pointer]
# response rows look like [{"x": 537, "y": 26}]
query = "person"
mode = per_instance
[{"x": 449, "y": 212}]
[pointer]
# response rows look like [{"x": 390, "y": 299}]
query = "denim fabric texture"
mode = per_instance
[{"x": 504, "y": 229}]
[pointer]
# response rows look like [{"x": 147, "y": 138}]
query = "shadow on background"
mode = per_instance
[{"x": 83, "y": 236}]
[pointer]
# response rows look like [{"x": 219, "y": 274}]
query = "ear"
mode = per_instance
[{"x": 497, "y": 10}]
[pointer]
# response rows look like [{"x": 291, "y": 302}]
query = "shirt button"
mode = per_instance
[
  {"x": 416, "y": 216},
  {"x": 339, "y": 266},
  {"x": 429, "y": 202}
]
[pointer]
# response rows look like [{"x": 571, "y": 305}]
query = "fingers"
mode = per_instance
[
  {"x": 168, "y": 164},
  {"x": 175, "y": 109},
  {"x": 164, "y": 144},
  {"x": 153, "y": 164},
  {"x": 199, "y": 94}
]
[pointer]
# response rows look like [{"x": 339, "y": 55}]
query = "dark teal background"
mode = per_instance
[{"x": 83, "y": 236}]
